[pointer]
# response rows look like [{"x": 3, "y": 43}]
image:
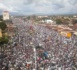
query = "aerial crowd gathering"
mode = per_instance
[{"x": 53, "y": 51}]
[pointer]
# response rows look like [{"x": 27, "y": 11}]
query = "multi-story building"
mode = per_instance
[{"x": 6, "y": 15}]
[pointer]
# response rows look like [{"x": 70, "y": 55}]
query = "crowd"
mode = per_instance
[{"x": 53, "y": 51}]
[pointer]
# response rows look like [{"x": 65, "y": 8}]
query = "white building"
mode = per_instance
[
  {"x": 6, "y": 15},
  {"x": 48, "y": 21}
]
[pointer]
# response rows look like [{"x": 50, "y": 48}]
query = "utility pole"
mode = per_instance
[{"x": 35, "y": 55}]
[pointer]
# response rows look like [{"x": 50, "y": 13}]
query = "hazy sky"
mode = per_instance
[{"x": 27, "y": 7}]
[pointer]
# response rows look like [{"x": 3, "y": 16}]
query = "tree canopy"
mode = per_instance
[
  {"x": 1, "y": 18},
  {"x": 3, "y": 26},
  {"x": 59, "y": 21},
  {"x": 74, "y": 21},
  {"x": 4, "y": 39}
]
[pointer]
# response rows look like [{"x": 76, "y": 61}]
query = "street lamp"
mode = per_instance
[
  {"x": 35, "y": 55},
  {"x": 34, "y": 49}
]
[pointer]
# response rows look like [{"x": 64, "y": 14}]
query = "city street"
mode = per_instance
[
  {"x": 38, "y": 34},
  {"x": 36, "y": 47}
]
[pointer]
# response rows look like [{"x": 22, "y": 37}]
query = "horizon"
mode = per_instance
[{"x": 42, "y": 15}]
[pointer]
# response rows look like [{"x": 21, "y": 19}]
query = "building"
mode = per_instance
[
  {"x": 0, "y": 33},
  {"x": 6, "y": 15},
  {"x": 48, "y": 21}
]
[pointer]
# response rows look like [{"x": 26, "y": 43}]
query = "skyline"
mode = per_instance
[{"x": 39, "y": 7}]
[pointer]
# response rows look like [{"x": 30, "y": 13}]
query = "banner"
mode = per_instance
[{"x": 66, "y": 34}]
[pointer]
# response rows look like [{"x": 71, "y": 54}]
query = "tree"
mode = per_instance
[
  {"x": 1, "y": 18},
  {"x": 74, "y": 22},
  {"x": 28, "y": 17},
  {"x": 3, "y": 26},
  {"x": 4, "y": 39},
  {"x": 59, "y": 21}
]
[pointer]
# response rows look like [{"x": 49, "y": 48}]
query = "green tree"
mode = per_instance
[
  {"x": 1, "y": 18},
  {"x": 59, "y": 21},
  {"x": 28, "y": 17},
  {"x": 74, "y": 22},
  {"x": 3, "y": 26},
  {"x": 4, "y": 39}
]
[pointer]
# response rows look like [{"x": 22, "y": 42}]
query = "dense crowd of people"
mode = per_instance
[{"x": 53, "y": 51}]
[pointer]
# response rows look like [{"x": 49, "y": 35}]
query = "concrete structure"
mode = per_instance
[
  {"x": 6, "y": 15},
  {"x": 48, "y": 21},
  {"x": 0, "y": 33}
]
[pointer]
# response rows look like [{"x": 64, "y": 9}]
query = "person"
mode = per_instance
[
  {"x": 18, "y": 68},
  {"x": 45, "y": 55},
  {"x": 6, "y": 67}
]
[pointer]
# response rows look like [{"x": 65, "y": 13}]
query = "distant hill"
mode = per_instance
[{"x": 39, "y": 14}]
